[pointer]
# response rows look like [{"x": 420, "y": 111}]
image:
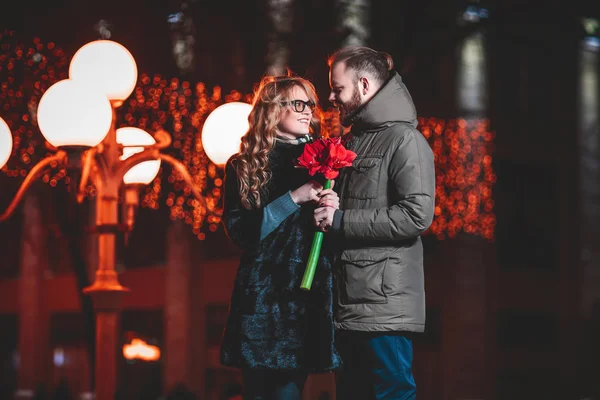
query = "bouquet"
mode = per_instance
[{"x": 327, "y": 157}]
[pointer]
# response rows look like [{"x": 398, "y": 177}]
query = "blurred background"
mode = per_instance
[{"x": 508, "y": 95}]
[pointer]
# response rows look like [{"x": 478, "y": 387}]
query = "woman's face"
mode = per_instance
[{"x": 296, "y": 115}]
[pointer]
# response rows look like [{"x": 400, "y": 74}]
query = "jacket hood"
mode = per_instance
[{"x": 391, "y": 104}]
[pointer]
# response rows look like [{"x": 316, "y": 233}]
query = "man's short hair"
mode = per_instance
[{"x": 364, "y": 59}]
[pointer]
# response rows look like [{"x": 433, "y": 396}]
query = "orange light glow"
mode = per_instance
[
  {"x": 463, "y": 148},
  {"x": 140, "y": 350},
  {"x": 464, "y": 176}
]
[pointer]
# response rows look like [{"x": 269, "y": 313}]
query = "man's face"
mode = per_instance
[{"x": 344, "y": 90}]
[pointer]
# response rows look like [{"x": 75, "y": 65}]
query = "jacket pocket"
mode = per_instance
[
  {"x": 363, "y": 182},
  {"x": 363, "y": 281}
]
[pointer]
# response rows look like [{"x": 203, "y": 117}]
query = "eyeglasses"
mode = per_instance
[{"x": 300, "y": 105}]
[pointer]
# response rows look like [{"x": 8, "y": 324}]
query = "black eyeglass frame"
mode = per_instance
[{"x": 300, "y": 105}]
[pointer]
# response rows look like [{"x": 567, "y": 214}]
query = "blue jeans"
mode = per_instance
[
  {"x": 377, "y": 366},
  {"x": 264, "y": 384}
]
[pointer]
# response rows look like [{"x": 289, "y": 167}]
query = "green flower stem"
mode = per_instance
[{"x": 315, "y": 251}]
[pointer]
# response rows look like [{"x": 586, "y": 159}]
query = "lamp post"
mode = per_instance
[{"x": 77, "y": 117}]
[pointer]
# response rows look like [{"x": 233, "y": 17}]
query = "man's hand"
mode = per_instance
[
  {"x": 328, "y": 203},
  {"x": 323, "y": 218},
  {"x": 329, "y": 198}
]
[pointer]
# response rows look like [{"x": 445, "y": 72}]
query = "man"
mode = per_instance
[{"x": 386, "y": 202}]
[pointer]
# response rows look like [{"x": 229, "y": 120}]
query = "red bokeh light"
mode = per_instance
[{"x": 462, "y": 148}]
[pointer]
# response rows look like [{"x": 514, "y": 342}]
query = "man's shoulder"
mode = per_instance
[
  {"x": 402, "y": 129},
  {"x": 395, "y": 134},
  {"x": 403, "y": 137}
]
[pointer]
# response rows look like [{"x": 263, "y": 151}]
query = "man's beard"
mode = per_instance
[{"x": 349, "y": 109}]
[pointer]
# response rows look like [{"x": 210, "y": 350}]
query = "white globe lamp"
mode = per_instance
[
  {"x": 132, "y": 138},
  {"x": 107, "y": 66},
  {"x": 73, "y": 115},
  {"x": 223, "y": 130},
  {"x": 6, "y": 143}
]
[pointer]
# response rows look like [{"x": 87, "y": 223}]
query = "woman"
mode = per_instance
[{"x": 277, "y": 333}]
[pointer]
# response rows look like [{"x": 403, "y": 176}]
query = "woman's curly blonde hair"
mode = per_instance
[{"x": 252, "y": 161}]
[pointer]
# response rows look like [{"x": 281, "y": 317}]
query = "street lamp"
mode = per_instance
[
  {"x": 133, "y": 140},
  {"x": 75, "y": 116}
]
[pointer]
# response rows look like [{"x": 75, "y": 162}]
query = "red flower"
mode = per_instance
[
  {"x": 326, "y": 156},
  {"x": 311, "y": 157}
]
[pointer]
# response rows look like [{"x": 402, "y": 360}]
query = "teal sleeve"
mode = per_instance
[{"x": 275, "y": 212}]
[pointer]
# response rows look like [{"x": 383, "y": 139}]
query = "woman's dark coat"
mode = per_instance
[{"x": 272, "y": 323}]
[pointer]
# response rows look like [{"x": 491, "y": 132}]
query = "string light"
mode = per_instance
[
  {"x": 464, "y": 176},
  {"x": 462, "y": 148}
]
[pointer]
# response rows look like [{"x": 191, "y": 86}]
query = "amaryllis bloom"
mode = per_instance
[
  {"x": 326, "y": 156},
  {"x": 338, "y": 158},
  {"x": 311, "y": 157}
]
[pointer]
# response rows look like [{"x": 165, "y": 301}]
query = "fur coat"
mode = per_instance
[{"x": 272, "y": 323}]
